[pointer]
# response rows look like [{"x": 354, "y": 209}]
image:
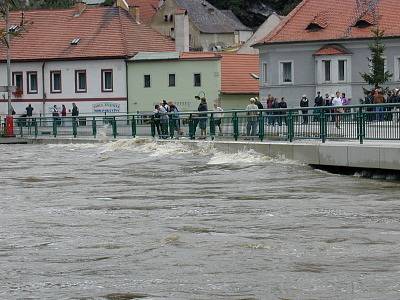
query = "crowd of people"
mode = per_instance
[{"x": 166, "y": 117}]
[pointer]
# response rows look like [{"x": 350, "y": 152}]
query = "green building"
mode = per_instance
[{"x": 172, "y": 76}]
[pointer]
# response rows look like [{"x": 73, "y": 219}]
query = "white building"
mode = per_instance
[{"x": 75, "y": 55}]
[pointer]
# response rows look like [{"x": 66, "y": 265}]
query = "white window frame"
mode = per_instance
[
  {"x": 264, "y": 72},
  {"x": 52, "y": 81},
  {"x": 14, "y": 79},
  {"x": 346, "y": 63},
  {"x": 103, "y": 80},
  {"x": 281, "y": 82},
  {"x": 397, "y": 68},
  {"x": 77, "y": 89},
  {"x": 29, "y": 89},
  {"x": 324, "y": 70}
]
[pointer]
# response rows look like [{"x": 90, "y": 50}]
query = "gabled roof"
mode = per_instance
[
  {"x": 103, "y": 32},
  {"x": 147, "y": 8},
  {"x": 332, "y": 50},
  {"x": 341, "y": 17},
  {"x": 236, "y": 70},
  {"x": 209, "y": 19}
]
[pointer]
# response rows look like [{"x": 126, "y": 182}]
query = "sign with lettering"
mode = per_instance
[{"x": 106, "y": 107}]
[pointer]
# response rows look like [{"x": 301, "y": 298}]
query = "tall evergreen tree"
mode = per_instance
[{"x": 377, "y": 74}]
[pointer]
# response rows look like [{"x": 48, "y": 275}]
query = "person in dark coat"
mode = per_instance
[
  {"x": 304, "y": 103},
  {"x": 282, "y": 105},
  {"x": 203, "y": 118}
]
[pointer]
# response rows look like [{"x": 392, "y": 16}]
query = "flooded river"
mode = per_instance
[{"x": 133, "y": 219}]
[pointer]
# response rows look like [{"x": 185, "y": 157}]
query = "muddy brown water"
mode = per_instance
[{"x": 130, "y": 220}]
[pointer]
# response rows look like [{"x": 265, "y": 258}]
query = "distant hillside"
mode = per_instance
[{"x": 251, "y": 12}]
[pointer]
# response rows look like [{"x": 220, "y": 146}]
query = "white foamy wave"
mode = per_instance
[
  {"x": 73, "y": 146},
  {"x": 145, "y": 145},
  {"x": 102, "y": 132},
  {"x": 249, "y": 157},
  {"x": 164, "y": 149}
]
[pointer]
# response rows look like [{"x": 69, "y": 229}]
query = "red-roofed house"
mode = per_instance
[
  {"x": 146, "y": 9},
  {"x": 226, "y": 79},
  {"x": 76, "y": 55},
  {"x": 322, "y": 45},
  {"x": 239, "y": 82}
]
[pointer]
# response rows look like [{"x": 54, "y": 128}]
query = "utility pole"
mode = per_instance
[{"x": 7, "y": 32}]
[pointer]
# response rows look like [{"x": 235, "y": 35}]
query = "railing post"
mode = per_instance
[
  {"x": 74, "y": 127},
  {"x": 153, "y": 127},
  {"x": 361, "y": 124},
  {"x": 261, "y": 130},
  {"x": 235, "y": 121},
  {"x": 55, "y": 127},
  {"x": 114, "y": 127},
  {"x": 36, "y": 127},
  {"x": 212, "y": 126},
  {"x": 94, "y": 127},
  {"x": 133, "y": 124},
  {"x": 322, "y": 125},
  {"x": 290, "y": 126},
  {"x": 191, "y": 127},
  {"x": 171, "y": 123},
  {"x": 21, "y": 130}
]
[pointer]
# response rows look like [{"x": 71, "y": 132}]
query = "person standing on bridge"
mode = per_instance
[
  {"x": 304, "y": 103},
  {"x": 338, "y": 109},
  {"x": 252, "y": 116}
]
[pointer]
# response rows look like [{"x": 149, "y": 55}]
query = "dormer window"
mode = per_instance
[
  {"x": 362, "y": 24},
  {"x": 314, "y": 27},
  {"x": 319, "y": 22},
  {"x": 367, "y": 19}
]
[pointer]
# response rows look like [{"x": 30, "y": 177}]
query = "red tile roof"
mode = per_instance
[
  {"x": 341, "y": 16},
  {"x": 236, "y": 72},
  {"x": 332, "y": 50},
  {"x": 147, "y": 8},
  {"x": 103, "y": 32}
]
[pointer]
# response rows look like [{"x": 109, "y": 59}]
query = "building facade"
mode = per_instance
[
  {"x": 86, "y": 64},
  {"x": 172, "y": 76},
  {"x": 209, "y": 28},
  {"x": 311, "y": 52}
]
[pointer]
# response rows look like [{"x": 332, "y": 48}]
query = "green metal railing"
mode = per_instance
[{"x": 362, "y": 122}]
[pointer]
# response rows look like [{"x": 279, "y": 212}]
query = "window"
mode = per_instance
[
  {"x": 342, "y": 65},
  {"x": 165, "y": 18},
  {"x": 55, "y": 82},
  {"x": 327, "y": 70},
  {"x": 397, "y": 68},
  {"x": 286, "y": 72},
  {"x": 107, "y": 80},
  {"x": 171, "y": 80},
  {"x": 197, "y": 79},
  {"x": 32, "y": 82},
  {"x": 264, "y": 72},
  {"x": 147, "y": 81},
  {"x": 80, "y": 81},
  {"x": 17, "y": 81}
]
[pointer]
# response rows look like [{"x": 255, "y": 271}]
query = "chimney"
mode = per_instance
[
  {"x": 135, "y": 12},
  {"x": 122, "y": 4},
  {"x": 181, "y": 31},
  {"x": 79, "y": 8}
]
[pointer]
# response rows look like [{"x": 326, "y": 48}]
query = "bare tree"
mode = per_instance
[{"x": 5, "y": 38}]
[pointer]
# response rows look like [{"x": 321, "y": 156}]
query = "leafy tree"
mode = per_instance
[{"x": 377, "y": 74}]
